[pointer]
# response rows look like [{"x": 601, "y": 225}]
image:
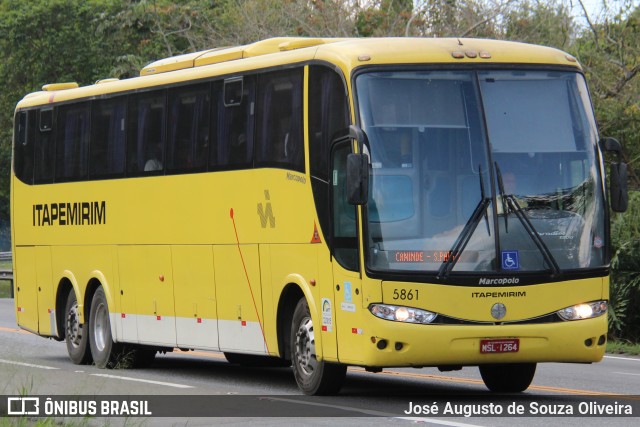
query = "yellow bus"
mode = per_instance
[{"x": 321, "y": 203}]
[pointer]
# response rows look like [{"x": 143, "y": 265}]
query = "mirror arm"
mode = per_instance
[
  {"x": 611, "y": 145},
  {"x": 361, "y": 138}
]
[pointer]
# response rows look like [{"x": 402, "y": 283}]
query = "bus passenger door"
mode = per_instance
[
  {"x": 26, "y": 296},
  {"x": 346, "y": 278}
]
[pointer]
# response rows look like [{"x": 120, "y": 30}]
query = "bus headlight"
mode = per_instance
[
  {"x": 583, "y": 311},
  {"x": 402, "y": 314}
]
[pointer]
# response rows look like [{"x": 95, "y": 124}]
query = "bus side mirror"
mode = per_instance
[
  {"x": 618, "y": 187},
  {"x": 619, "y": 194},
  {"x": 357, "y": 179},
  {"x": 358, "y": 169}
]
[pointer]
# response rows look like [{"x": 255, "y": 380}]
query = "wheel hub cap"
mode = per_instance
[{"x": 306, "y": 347}]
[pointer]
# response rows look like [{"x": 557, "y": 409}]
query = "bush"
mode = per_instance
[{"x": 624, "y": 310}]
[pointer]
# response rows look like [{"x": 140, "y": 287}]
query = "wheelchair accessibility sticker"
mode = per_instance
[{"x": 510, "y": 260}]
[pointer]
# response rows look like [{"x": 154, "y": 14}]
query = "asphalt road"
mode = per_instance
[{"x": 31, "y": 365}]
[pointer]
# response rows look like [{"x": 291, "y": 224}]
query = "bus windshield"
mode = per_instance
[{"x": 481, "y": 171}]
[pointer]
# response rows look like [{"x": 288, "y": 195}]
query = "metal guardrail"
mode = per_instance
[{"x": 6, "y": 274}]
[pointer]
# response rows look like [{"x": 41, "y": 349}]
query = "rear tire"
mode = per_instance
[
  {"x": 76, "y": 334},
  {"x": 314, "y": 377},
  {"x": 508, "y": 378},
  {"x": 105, "y": 352}
]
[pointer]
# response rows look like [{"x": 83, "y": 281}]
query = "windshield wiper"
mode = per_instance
[
  {"x": 482, "y": 194},
  {"x": 463, "y": 238},
  {"x": 509, "y": 204},
  {"x": 503, "y": 199}
]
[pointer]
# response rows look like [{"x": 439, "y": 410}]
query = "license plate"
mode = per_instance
[{"x": 500, "y": 346}]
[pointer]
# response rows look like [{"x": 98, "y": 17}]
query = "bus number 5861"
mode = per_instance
[{"x": 405, "y": 295}]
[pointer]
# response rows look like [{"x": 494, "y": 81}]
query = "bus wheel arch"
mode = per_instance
[
  {"x": 62, "y": 293},
  {"x": 291, "y": 294}
]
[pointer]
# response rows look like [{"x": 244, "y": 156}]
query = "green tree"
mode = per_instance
[
  {"x": 541, "y": 22},
  {"x": 48, "y": 41},
  {"x": 384, "y": 18},
  {"x": 610, "y": 54},
  {"x": 43, "y": 42}
]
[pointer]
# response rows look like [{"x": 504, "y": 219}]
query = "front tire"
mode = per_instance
[
  {"x": 508, "y": 378},
  {"x": 76, "y": 334},
  {"x": 105, "y": 352},
  {"x": 314, "y": 377}
]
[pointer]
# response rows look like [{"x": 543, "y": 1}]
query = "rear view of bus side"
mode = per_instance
[{"x": 321, "y": 203}]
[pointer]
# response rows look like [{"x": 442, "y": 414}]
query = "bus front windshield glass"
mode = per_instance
[{"x": 489, "y": 171}]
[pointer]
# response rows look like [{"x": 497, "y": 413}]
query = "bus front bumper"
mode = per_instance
[{"x": 390, "y": 343}]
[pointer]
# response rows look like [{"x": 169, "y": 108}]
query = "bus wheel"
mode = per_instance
[
  {"x": 75, "y": 333},
  {"x": 508, "y": 378},
  {"x": 105, "y": 352},
  {"x": 314, "y": 377}
]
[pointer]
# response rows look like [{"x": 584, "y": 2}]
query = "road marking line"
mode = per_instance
[
  {"x": 375, "y": 413},
  {"x": 213, "y": 355},
  {"x": 14, "y": 330},
  {"x": 433, "y": 377},
  {"x": 479, "y": 382},
  {"x": 627, "y": 373},
  {"x": 622, "y": 358},
  {"x": 421, "y": 376},
  {"x": 357, "y": 370},
  {"x": 28, "y": 365},
  {"x": 434, "y": 421},
  {"x": 117, "y": 377}
]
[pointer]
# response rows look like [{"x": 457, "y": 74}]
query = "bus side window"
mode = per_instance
[
  {"x": 44, "y": 148},
  {"x": 146, "y": 133},
  {"x": 279, "y": 120},
  {"x": 345, "y": 234},
  {"x": 108, "y": 132},
  {"x": 188, "y": 128},
  {"x": 25, "y": 123},
  {"x": 215, "y": 122},
  {"x": 235, "y": 148},
  {"x": 328, "y": 116},
  {"x": 72, "y": 142}
]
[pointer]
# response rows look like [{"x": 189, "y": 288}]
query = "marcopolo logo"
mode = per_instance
[{"x": 500, "y": 281}]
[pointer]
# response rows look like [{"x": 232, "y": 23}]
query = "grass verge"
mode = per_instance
[{"x": 623, "y": 347}]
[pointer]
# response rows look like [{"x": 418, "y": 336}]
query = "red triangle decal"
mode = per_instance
[{"x": 316, "y": 235}]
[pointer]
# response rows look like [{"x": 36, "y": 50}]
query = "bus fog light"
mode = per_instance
[
  {"x": 584, "y": 311},
  {"x": 402, "y": 314}
]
